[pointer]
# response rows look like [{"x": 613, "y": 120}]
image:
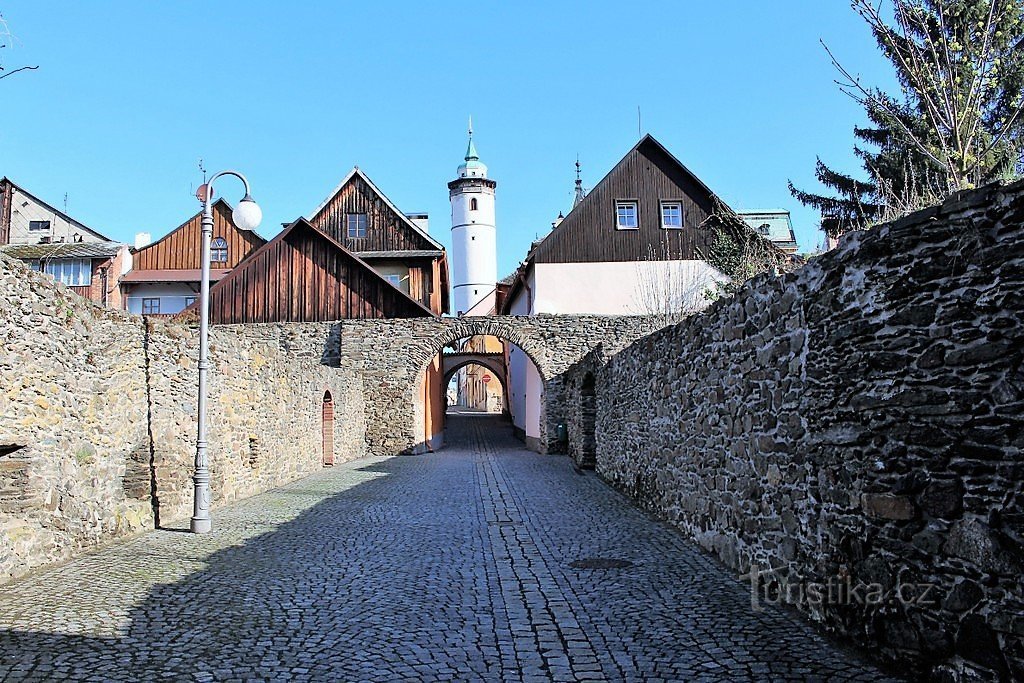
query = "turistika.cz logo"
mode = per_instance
[{"x": 765, "y": 589}]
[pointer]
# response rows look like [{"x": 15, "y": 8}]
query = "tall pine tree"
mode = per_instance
[{"x": 958, "y": 122}]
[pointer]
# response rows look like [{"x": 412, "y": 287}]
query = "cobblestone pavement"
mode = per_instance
[{"x": 452, "y": 566}]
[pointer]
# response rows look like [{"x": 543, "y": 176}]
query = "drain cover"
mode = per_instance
[{"x": 601, "y": 563}]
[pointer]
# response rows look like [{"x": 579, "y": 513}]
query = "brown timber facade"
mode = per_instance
[
  {"x": 364, "y": 221},
  {"x": 303, "y": 275},
  {"x": 180, "y": 249},
  {"x": 650, "y": 176}
]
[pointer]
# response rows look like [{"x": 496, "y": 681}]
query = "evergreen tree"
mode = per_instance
[{"x": 959, "y": 123}]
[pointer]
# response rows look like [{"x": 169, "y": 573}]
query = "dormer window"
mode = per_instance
[
  {"x": 355, "y": 225},
  {"x": 472, "y": 204},
  {"x": 626, "y": 215},
  {"x": 672, "y": 215},
  {"x": 764, "y": 228},
  {"x": 219, "y": 250}
]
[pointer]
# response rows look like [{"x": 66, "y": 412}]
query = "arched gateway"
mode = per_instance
[{"x": 394, "y": 356}]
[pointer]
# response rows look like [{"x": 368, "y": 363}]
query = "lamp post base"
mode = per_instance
[{"x": 201, "y": 526}]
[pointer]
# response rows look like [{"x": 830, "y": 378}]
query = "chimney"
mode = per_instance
[
  {"x": 420, "y": 220},
  {"x": 142, "y": 239}
]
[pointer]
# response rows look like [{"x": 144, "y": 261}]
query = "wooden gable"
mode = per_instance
[
  {"x": 180, "y": 249},
  {"x": 387, "y": 229},
  {"x": 302, "y": 275},
  {"x": 648, "y": 174}
]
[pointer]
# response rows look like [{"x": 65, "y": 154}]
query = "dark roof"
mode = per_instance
[
  {"x": 61, "y": 250},
  {"x": 55, "y": 210},
  {"x": 509, "y": 279},
  {"x": 400, "y": 254},
  {"x": 168, "y": 275}
]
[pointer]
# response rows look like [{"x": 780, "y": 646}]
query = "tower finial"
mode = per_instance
[
  {"x": 471, "y": 149},
  {"x": 580, "y": 192}
]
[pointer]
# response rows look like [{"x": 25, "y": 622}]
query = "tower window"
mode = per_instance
[
  {"x": 356, "y": 225},
  {"x": 626, "y": 215},
  {"x": 472, "y": 204},
  {"x": 219, "y": 250},
  {"x": 671, "y": 215}
]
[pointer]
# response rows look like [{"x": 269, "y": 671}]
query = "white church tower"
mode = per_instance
[{"x": 474, "y": 236}]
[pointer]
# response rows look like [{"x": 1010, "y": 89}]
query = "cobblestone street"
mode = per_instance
[{"x": 451, "y": 566}]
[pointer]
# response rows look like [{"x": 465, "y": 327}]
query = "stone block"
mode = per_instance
[{"x": 888, "y": 506}]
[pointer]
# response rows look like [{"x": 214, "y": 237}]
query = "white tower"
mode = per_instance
[{"x": 474, "y": 237}]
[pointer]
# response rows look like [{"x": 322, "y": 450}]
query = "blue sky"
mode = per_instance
[{"x": 129, "y": 95}]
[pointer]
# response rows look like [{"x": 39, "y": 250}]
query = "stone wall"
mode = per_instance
[
  {"x": 852, "y": 432},
  {"x": 98, "y": 416}
]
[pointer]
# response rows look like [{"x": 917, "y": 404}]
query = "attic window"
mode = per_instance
[
  {"x": 355, "y": 225},
  {"x": 626, "y": 215},
  {"x": 219, "y": 250},
  {"x": 764, "y": 228},
  {"x": 671, "y": 215},
  {"x": 39, "y": 226}
]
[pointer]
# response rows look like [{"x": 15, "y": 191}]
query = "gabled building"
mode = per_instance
[
  {"x": 634, "y": 232},
  {"x": 166, "y": 274},
  {"x": 359, "y": 217},
  {"x": 53, "y": 242},
  {"x": 305, "y": 275},
  {"x": 636, "y": 244},
  {"x": 774, "y": 225}
]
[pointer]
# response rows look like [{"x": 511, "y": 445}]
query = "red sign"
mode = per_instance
[{"x": 486, "y": 378}]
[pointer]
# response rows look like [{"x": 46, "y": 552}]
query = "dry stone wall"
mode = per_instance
[
  {"x": 98, "y": 416},
  {"x": 852, "y": 433}
]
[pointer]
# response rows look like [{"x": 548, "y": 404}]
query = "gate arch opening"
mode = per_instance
[
  {"x": 476, "y": 387},
  {"x": 512, "y": 367}
]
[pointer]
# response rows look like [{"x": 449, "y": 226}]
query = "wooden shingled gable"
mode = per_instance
[
  {"x": 648, "y": 174},
  {"x": 303, "y": 275},
  {"x": 388, "y": 229},
  {"x": 180, "y": 249}
]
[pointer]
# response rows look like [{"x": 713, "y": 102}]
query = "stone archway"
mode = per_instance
[
  {"x": 466, "y": 359},
  {"x": 393, "y": 355},
  {"x": 458, "y": 329}
]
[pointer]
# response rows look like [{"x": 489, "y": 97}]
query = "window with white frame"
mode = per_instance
[
  {"x": 626, "y": 215},
  {"x": 672, "y": 215},
  {"x": 38, "y": 226},
  {"x": 150, "y": 305},
  {"x": 219, "y": 250},
  {"x": 71, "y": 272},
  {"x": 394, "y": 279},
  {"x": 356, "y": 225}
]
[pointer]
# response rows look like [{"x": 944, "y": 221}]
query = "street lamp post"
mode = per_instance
[{"x": 246, "y": 216}]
